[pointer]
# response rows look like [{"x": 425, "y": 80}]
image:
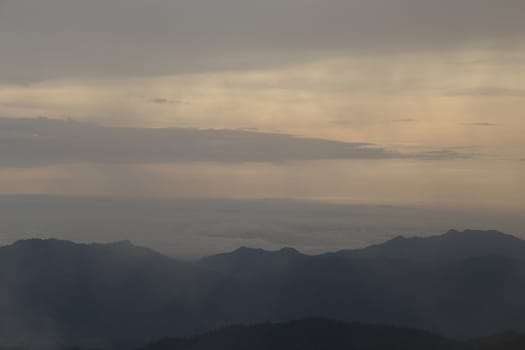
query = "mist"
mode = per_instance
[
  {"x": 168, "y": 168},
  {"x": 189, "y": 228}
]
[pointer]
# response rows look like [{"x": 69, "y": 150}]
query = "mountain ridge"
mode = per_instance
[
  {"x": 318, "y": 333},
  {"x": 481, "y": 243},
  {"x": 451, "y": 246},
  {"x": 124, "y": 295}
]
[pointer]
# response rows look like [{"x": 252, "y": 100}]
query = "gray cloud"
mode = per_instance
[
  {"x": 42, "y": 141},
  {"x": 483, "y": 124},
  {"x": 487, "y": 91},
  {"x": 64, "y": 38},
  {"x": 163, "y": 101},
  {"x": 402, "y": 120},
  {"x": 348, "y": 122},
  {"x": 444, "y": 154}
]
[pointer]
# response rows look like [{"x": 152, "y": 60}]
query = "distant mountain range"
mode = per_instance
[
  {"x": 55, "y": 293},
  {"x": 451, "y": 247},
  {"x": 315, "y": 334}
]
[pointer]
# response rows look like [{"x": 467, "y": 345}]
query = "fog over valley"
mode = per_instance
[{"x": 190, "y": 228}]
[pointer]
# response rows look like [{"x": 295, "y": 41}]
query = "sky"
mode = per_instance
[{"x": 405, "y": 103}]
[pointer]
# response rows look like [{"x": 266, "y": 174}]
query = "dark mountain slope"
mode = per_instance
[
  {"x": 450, "y": 247},
  {"x": 506, "y": 341},
  {"x": 475, "y": 297},
  {"x": 122, "y": 295},
  {"x": 247, "y": 262},
  {"x": 420, "y": 282},
  {"x": 116, "y": 293},
  {"x": 314, "y": 334}
]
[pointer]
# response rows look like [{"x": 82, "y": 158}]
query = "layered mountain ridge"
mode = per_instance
[
  {"x": 461, "y": 284},
  {"x": 313, "y": 334}
]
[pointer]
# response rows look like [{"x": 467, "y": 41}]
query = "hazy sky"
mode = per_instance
[{"x": 404, "y": 102}]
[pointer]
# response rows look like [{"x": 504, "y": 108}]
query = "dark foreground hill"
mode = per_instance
[
  {"x": 461, "y": 284},
  {"x": 57, "y": 292},
  {"x": 316, "y": 334}
]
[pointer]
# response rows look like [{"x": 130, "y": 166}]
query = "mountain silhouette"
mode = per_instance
[
  {"x": 248, "y": 262},
  {"x": 450, "y": 247},
  {"x": 314, "y": 334},
  {"x": 461, "y": 284},
  {"x": 100, "y": 294}
]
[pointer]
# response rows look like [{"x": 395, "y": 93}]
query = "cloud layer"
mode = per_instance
[
  {"x": 62, "y": 38},
  {"x": 189, "y": 228},
  {"x": 42, "y": 141}
]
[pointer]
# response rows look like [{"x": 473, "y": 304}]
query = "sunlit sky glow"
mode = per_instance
[{"x": 406, "y": 76}]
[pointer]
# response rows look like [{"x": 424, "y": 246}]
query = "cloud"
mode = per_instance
[
  {"x": 444, "y": 154},
  {"x": 61, "y": 38},
  {"x": 349, "y": 122},
  {"x": 487, "y": 124},
  {"x": 402, "y": 120},
  {"x": 42, "y": 141},
  {"x": 163, "y": 101},
  {"x": 489, "y": 91}
]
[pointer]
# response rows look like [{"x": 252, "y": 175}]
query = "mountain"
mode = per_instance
[
  {"x": 248, "y": 262},
  {"x": 450, "y": 247},
  {"x": 314, "y": 334},
  {"x": 61, "y": 293},
  {"x": 461, "y": 284}
]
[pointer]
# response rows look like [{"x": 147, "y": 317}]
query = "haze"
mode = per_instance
[{"x": 209, "y": 106}]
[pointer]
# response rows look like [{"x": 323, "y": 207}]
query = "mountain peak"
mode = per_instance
[
  {"x": 123, "y": 243},
  {"x": 39, "y": 242},
  {"x": 289, "y": 251},
  {"x": 259, "y": 251},
  {"x": 251, "y": 261},
  {"x": 53, "y": 242},
  {"x": 246, "y": 248},
  {"x": 452, "y": 246},
  {"x": 476, "y": 233}
]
